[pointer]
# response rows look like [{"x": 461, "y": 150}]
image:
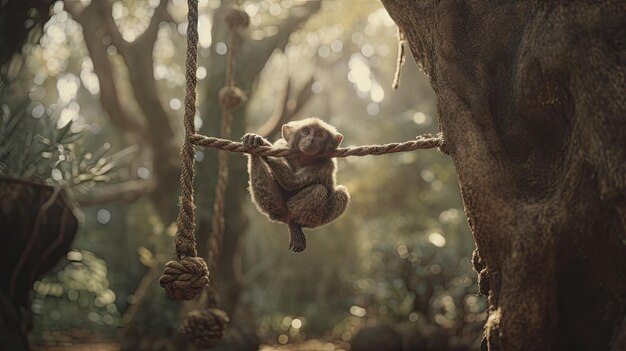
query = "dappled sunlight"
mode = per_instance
[{"x": 110, "y": 126}]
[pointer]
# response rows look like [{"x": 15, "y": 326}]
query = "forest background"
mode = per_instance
[{"x": 94, "y": 103}]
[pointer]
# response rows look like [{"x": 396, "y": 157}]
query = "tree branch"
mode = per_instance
[
  {"x": 278, "y": 116},
  {"x": 128, "y": 191},
  {"x": 287, "y": 108},
  {"x": 304, "y": 95},
  {"x": 90, "y": 18},
  {"x": 74, "y": 8},
  {"x": 160, "y": 15},
  {"x": 105, "y": 9},
  {"x": 97, "y": 22},
  {"x": 263, "y": 49},
  {"x": 140, "y": 61}
]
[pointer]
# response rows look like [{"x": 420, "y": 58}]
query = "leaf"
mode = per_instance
[{"x": 40, "y": 138}]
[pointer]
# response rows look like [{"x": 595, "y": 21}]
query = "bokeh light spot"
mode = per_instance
[
  {"x": 143, "y": 173},
  {"x": 283, "y": 339},
  {"x": 317, "y": 87},
  {"x": 103, "y": 216},
  {"x": 358, "y": 311},
  {"x": 221, "y": 48},
  {"x": 437, "y": 239}
]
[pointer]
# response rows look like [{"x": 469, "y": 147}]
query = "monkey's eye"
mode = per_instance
[
  {"x": 306, "y": 131},
  {"x": 319, "y": 135}
]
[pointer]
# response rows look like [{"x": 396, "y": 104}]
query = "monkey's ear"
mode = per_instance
[
  {"x": 338, "y": 138},
  {"x": 287, "y": 131}
]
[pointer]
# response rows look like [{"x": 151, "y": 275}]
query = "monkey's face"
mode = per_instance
[
  {"x": 311, "y": 136},
  {"x": 312, "y": 140}
]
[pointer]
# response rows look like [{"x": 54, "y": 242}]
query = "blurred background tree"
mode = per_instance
[{"x": 399, "y": 257}]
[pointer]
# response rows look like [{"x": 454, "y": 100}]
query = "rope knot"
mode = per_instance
[
  {"x": 184, "y": 279},
  {"x": 231, "y": 97},
  {"x": 237, "y": 18},
  {"x": 205, "y": 328}
]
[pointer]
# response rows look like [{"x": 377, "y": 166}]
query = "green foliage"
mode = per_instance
[
  {"x": 36, "y": 145},
  {"x": 415, "y": 281},
  {"x": 45, "y": 145},
  {"x": 74, "y": 301}
]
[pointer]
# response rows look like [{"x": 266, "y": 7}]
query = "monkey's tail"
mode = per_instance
[{"x": 297, "y": 240}]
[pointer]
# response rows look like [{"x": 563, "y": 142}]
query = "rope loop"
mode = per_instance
[
  {"x": 185, "y": 278},
  {"x": 237, "y": 18},
  {"x": 205, "y": 328},
  {"x": 231, "y": 97}
]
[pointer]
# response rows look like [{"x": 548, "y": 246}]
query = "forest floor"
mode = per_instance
[
  {"x": 310, "y": 345},
  {"x": 79, "y": 347}
]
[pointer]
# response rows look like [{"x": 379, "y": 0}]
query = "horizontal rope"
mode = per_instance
[{"x": 426, "y": 141}]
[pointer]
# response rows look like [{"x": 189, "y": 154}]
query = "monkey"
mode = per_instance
[{"x": 299, "y": 190}]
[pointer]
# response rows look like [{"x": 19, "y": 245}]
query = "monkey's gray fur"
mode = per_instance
[{"x": 299, "y": 190}]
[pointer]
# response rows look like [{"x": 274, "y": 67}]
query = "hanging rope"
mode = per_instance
[
  {"x": 230, "y": 97},
  {"x": 186, "y": 276},
  {"x": 205, "y": 327},
  {"x": 425, "y": 141}
]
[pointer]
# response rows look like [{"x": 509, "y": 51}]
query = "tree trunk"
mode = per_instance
[
  {"x": 532, "y": 104},
  {"x": 38, "y": 226}
]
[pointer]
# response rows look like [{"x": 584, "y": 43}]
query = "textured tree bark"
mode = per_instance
[{"x": 532, "y": 104}]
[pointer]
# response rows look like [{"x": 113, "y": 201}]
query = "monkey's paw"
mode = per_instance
[{"x": 253, "y": 140}]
